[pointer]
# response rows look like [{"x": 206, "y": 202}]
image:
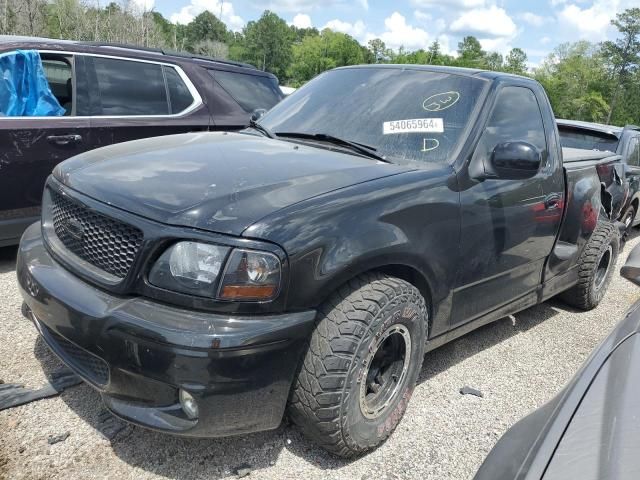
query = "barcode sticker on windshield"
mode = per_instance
[{"x": 427, "y": 125}]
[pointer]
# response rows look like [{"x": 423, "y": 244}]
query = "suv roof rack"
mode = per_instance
[
  {"x": 124, "y": 46},
  {"x": 208, "y": 59},
  {"x": 631, "y": 127},
  {"x": 171, "y": 53}
]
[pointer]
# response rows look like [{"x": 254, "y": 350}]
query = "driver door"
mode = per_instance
[{"x": 506, "y": 232}]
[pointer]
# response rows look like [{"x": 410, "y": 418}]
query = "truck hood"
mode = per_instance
[{"x": 221, "y": 182}]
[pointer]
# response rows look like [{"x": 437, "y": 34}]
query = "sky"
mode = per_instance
[{"x": 536, "y": 26}]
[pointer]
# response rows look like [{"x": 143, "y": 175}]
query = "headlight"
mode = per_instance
[
  {"x": 194, "y": 268},
  {"x": 250, "y": 276},
  {"x": 189, "y": 267}
]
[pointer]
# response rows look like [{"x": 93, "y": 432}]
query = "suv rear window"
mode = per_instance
[
  {"x": 250, "y": 91},
  {"x": 587, "y": 140},
  {"x": 130, "y": 88},
  {"x": 179, "y": 95}
]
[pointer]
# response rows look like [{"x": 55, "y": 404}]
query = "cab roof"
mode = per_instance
[{"x": 464, "y": 71}]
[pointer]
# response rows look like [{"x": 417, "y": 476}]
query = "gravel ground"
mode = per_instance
[{"x": 444, "y": 435}]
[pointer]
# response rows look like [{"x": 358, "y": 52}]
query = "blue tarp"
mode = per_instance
[{"x": 24, "y": 89}]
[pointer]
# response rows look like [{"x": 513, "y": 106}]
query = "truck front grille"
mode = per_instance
[{"x": 104, "y": 242}]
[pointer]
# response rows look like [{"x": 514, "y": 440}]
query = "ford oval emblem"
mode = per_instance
[{"x": 74, "y": 228}]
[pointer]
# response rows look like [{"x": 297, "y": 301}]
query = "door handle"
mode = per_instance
[
  {"x": 64, "y": 139},
  {"x": 552, "y": 202}
]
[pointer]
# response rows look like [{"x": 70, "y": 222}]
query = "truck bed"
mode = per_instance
[{"x": 587, "y": 157}]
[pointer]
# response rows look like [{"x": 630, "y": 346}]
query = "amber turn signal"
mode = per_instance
[
  {"x": 250, "y": 276},
  {"x": 248, "y": 292}
]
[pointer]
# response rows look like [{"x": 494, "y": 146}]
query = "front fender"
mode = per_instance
[{"x": 410, "y": 220}]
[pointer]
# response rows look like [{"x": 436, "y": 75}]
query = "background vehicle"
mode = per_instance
[
  {"x": 375, "y": 213},
  {"x": 115, "y": 94},
  {"x": 623, "y": 141},
  {"x": 591, "y": 429}
]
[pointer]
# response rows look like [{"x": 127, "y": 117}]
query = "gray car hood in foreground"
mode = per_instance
[
  {"x": 221, "y": 182},
  {"x": 578, "y": 434}
]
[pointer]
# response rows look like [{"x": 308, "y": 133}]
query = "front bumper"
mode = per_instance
[{"x": 139, "y": 353}]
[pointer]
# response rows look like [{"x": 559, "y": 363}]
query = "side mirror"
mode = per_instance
[
  {"x": 257, "y": 114},
  {"x": 514, "y": 161},
  {"x": 631, "y": 269}
]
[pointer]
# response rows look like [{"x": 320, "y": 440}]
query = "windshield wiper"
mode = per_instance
[
  {"x": 262, "y": 129},
  {"x": 361, "y": 148}
]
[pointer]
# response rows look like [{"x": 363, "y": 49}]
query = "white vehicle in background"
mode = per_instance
[{"x": 287, "y": 90}]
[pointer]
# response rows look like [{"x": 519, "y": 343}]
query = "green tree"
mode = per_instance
[
  {"x": 434, "y": 52},
  {"x": 436, "y": 57},
  {"x": 66, "y": 19},
  {"x": 379, "y": 51},
  {"x": 516, "y": 62},
  {"x": 267, "y": 44},
  {"x": 167, "y": 29},
  {"x": 590, "y": 106},
  {"x": 8, "y": 17},
  {"x": 211, "y": 48},
  {"x": 576, "y": 81},
  {"x": 315, "y": 54},
  {"x": 628, "y": 107},
  {"x": 624, "y": 54},
  {"x": 300, "y": 33},
  {"x": 206, "y": 27},
  {"x": 470, "y": 53},
  {"x": 494, "y": 61},
  {"x": 418, "y": 57}
]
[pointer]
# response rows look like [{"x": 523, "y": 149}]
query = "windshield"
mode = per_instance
[
  {"x": 587, "y": 140},
  {"x": 404, "y": 114}
]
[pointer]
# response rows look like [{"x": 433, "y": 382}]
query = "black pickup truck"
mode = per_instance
[{"x": 204, "y": 283}]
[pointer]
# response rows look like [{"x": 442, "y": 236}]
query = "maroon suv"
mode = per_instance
[{"x": 113, "y": 94}]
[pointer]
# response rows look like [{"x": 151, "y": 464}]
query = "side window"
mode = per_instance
[
  {"x": 180, "y": 97},
  {"x": 26, "y": 90},
  {"x": 128, "y": 87},
  {"x": 634, "y": 152},
  {"x": 515, "y": 117},
  {"x": 59, "y": 75},
  {"x": 250, "y": 91}
]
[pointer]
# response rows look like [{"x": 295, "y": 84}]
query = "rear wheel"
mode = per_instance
[
  {"x": 361, "y": 365},
  {"x": 596, "y": 268},
  {"x": 628, "y": 217}
]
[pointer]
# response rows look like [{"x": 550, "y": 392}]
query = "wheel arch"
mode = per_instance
[{"x": 403, "y": 271}]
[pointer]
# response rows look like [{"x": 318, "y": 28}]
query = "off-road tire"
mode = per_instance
[
  {"x": 326, "y": 397},
  {"x": 629, "y": 215},
  {"x": 588, "y": 293}
]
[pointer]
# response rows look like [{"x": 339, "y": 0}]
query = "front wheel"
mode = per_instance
[
  {"x": 361, "y": 365},
  {"x": 595, "y": 269}
]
